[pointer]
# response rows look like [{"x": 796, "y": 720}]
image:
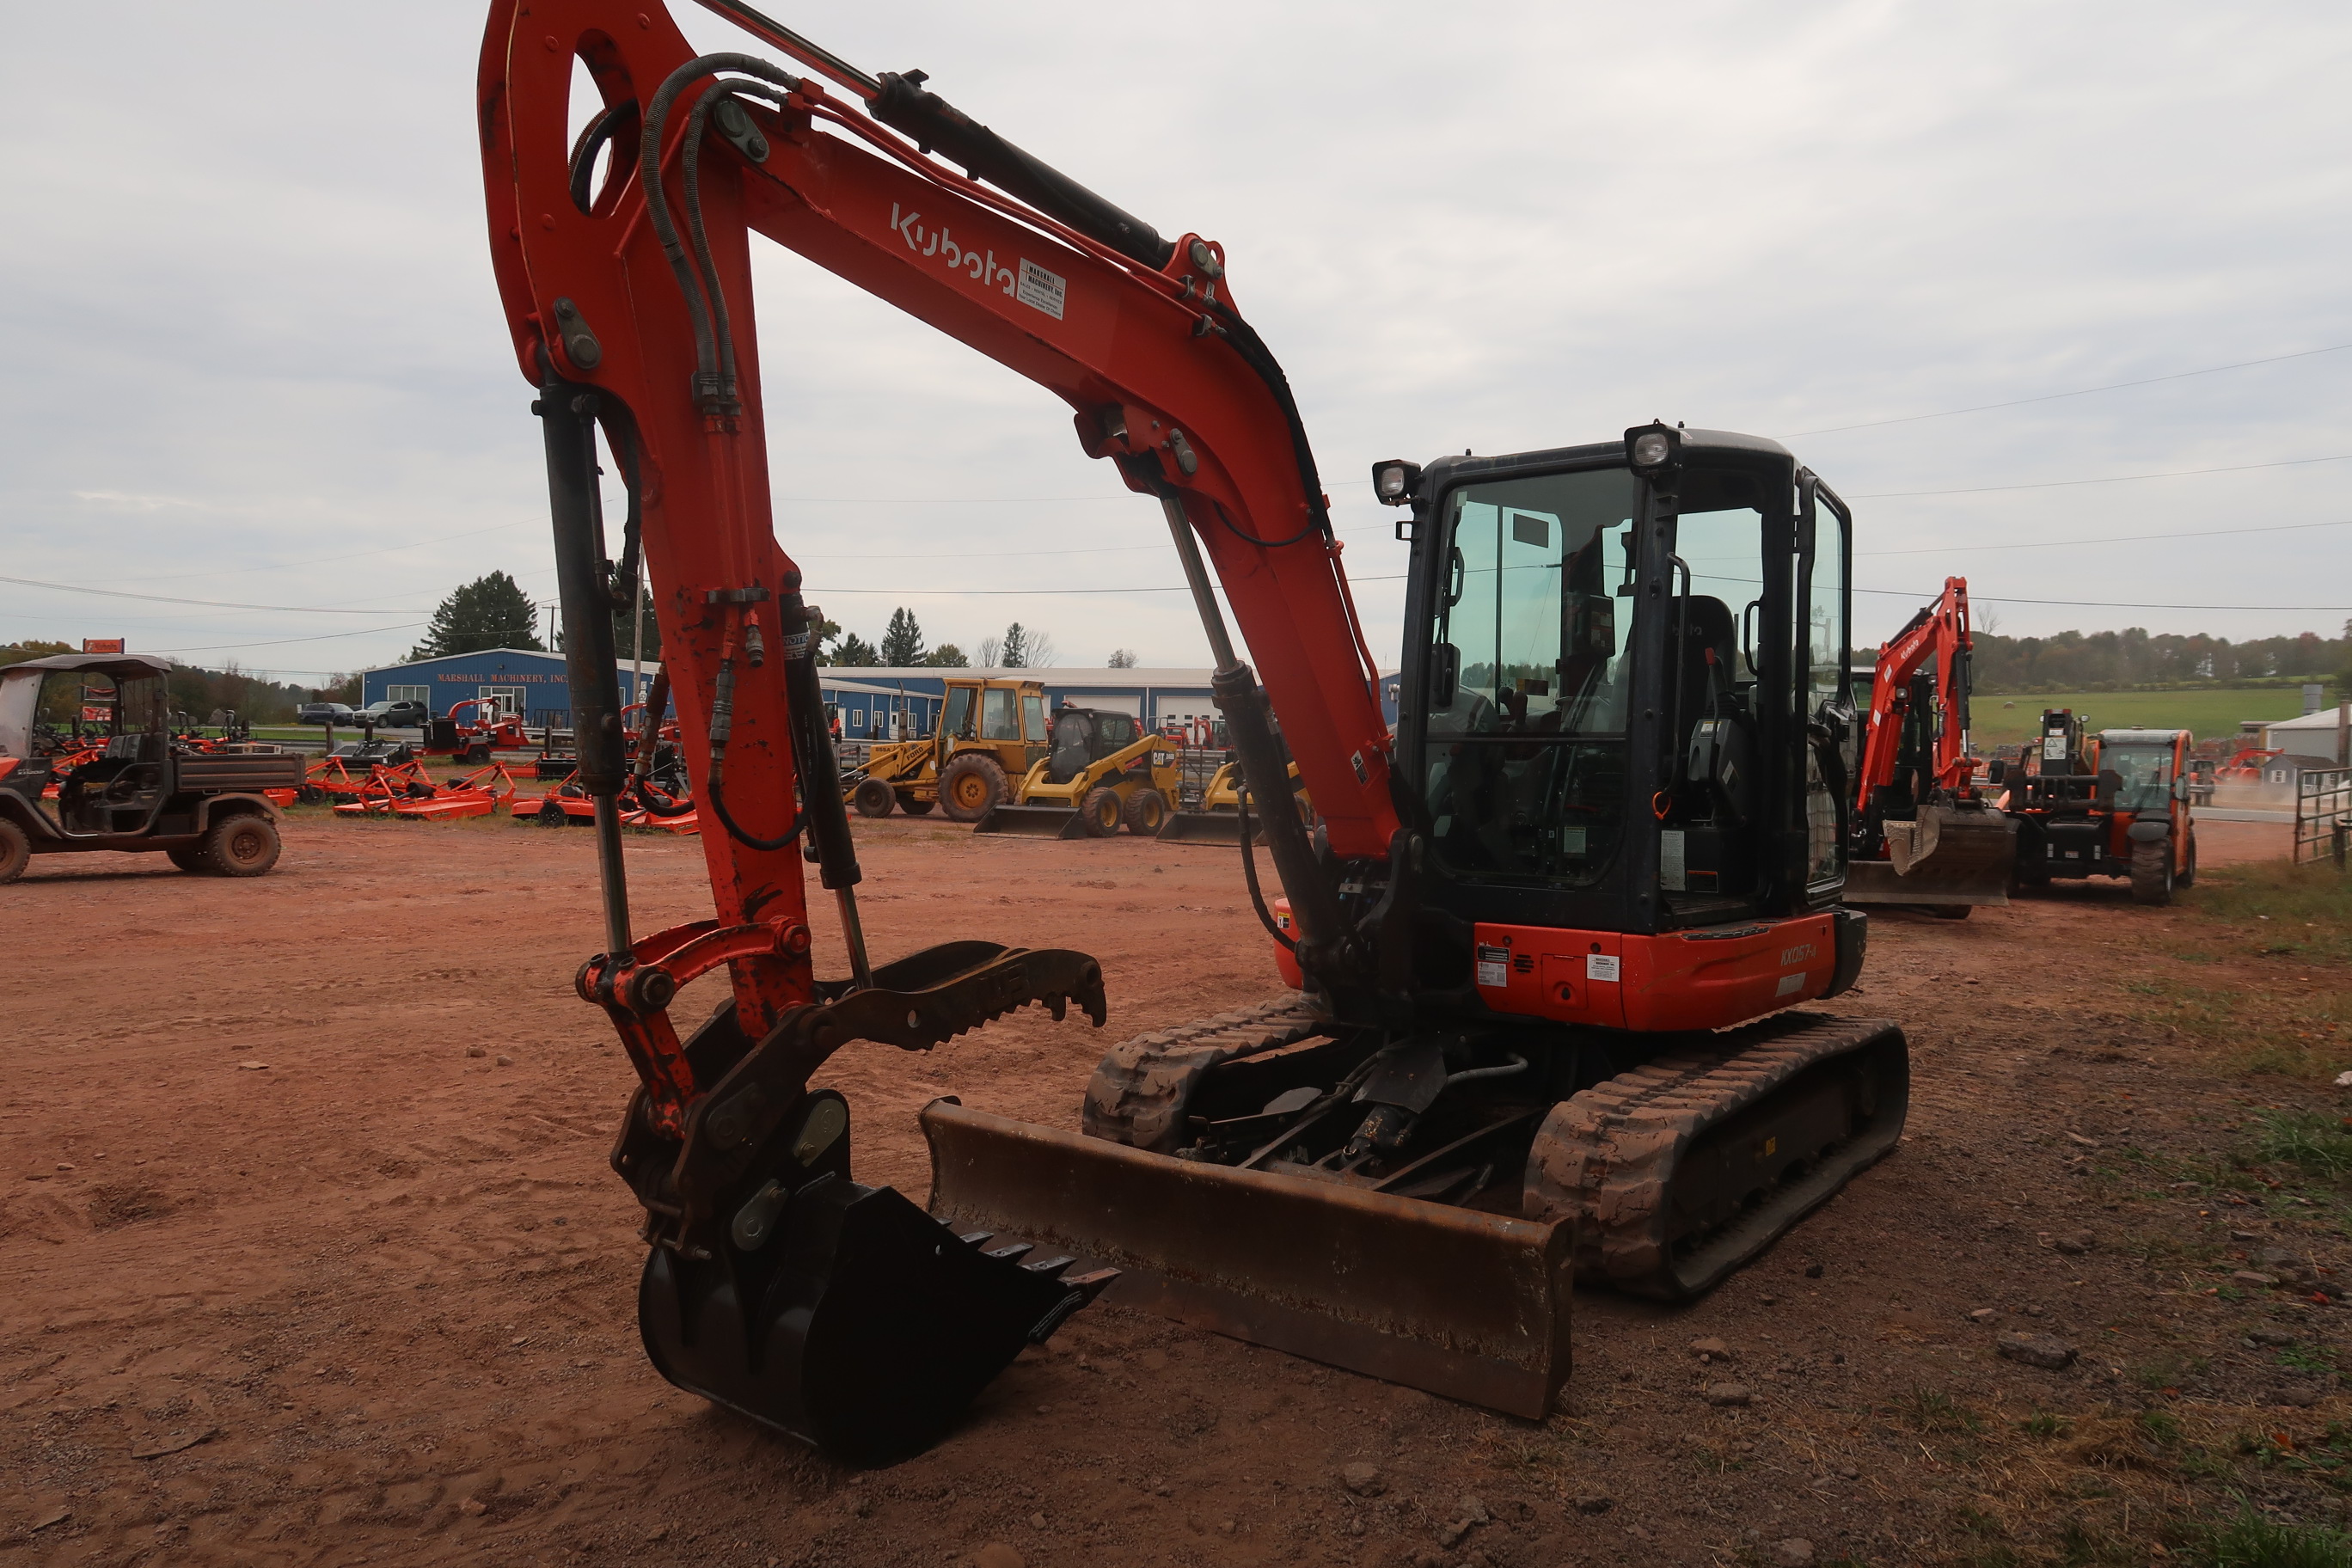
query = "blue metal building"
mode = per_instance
[
  {"x": 537, "y": 687},
  {"x": 872, "y": 704},
  {"x": 1159, "y": 696}
]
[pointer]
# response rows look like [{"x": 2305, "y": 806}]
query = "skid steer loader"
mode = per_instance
[
  {"x": 1215, "y": 815},
  {"x": 1103, "y": 770}
]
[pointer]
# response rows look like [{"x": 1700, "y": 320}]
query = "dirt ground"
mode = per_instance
[{"x": 294, "y": 1278}]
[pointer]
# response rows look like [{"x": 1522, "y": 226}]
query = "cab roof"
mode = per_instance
[{"x": 122, "y": 665}]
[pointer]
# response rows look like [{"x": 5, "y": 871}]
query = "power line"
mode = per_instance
[
  {"x": 211, "y": 603},
  {"x": 1034, "y": 593},
  {"x": 2115, "y": 480},
  {"x": 2079, "y": 391},
  {"x": 328, "y": 560},
  {"x": 2116, "y": 604},
  {"x": 324, "y": 636},
  {"x": 279, "y": 642},
  {"x": 2110, "y": 539}
]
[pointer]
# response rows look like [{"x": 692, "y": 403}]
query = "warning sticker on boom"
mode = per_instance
[{"x": 1042, "y": 290}]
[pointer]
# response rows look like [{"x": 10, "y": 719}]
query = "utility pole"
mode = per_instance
[{"x": 637, "y": 656}]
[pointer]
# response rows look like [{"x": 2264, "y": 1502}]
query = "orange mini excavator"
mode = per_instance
[
  {"x": 1553, "y": 934},
  {"x": 1924, "y": 835}
]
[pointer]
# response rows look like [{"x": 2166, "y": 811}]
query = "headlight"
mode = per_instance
[
  {"x": 1393, "y": 481},
  {"x": 1651, "y": 446}
]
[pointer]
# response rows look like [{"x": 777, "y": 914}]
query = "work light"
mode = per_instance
[
  {"x": 1649, "y": 447},
  {"x": 1393, "y": 481}
]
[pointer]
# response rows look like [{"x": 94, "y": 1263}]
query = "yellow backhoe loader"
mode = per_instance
[{"x": 991, "y": 730}]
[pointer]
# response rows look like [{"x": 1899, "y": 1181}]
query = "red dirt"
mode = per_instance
[{"x": 259, "y": 1201}]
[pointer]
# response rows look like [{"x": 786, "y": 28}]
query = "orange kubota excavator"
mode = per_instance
[
  {"x": 1923, "y": 833},
  {"x": 1548, "y": 933}
]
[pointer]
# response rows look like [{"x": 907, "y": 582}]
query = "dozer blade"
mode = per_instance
[
  {"x": 1202, "y": 828},
  {"x": 1946, "y": 857},
  {"x": 1464, "y": 1303},
  {"x": 1032, "y": 822},
  {"x": 874, "y": 1331}
]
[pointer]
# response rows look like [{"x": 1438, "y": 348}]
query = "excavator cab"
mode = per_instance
[{"x": 1607, "y": 655}]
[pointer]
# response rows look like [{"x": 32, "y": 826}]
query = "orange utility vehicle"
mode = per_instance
[
  {"x": 206, "y": 813},
  {"x": 2112, "y": 804},
  {"x": 1549, "y": 932}
]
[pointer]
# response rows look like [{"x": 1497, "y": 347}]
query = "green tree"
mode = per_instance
[
  {"x": 1122, "y": 658},
  {"x": 624, "y": 633},
  {"x": 854, "y": 650},
  {"x": 947, "y": 655},
  {"x": 190, "y": 690},
  {"x": 1013, "y": 653},
  {"x": 902, "y": 644},
  {"x": 487, "y": 613},
  {"x": 18, "y": 652}
]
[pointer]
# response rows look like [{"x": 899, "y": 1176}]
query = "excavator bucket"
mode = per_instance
[
  {"x": 1202, "y": 828},
  {"x": 1032, "y": 821},
  {"x": 872, "y": 1331},
  {"x": 1948, "y": 857},
  {"x": 1461, "y": 1302}
]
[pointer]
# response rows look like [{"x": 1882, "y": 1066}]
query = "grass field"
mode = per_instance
[{"x": 2210, "y": 714}]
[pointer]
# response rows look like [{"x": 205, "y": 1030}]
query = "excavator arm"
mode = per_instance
[
  {"x": 1938, "y": 633},
  {"x": 775, "y": 1283}
]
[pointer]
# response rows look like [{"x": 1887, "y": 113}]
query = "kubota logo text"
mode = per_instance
[{"x": 1029, "y": 283}]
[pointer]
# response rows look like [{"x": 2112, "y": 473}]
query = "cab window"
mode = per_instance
[
  {"x": 999, "y": 719},
  {"x": 957, "y": 721},
  {"x": 1033, "y": 716}
]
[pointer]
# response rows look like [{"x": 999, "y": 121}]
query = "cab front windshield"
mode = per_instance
[
  {"x": 1525, "y": 763},
  {"x": 2145, "y": 773}
]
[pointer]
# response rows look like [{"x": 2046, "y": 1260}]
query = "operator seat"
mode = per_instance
[
  {"x": 1073, "y": 734},
  {"x": 1706, "y": 682}
]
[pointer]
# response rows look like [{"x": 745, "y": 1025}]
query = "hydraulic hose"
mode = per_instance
[
  {"x": 713, "y": 390},
  {"x": 1249, "y": 874}
]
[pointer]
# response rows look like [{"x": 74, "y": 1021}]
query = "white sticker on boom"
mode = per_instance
[
  {"x": 1493, "y": 973},
  {"x": 1041, "y": 289},
  {"x": 1790, "y": 985},
  {"x": 1600, "y": 967}
]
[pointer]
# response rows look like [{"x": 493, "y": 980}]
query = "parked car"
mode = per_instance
[
  {"x": 323, "y": 713},
  {"x": 405, "y": 714}
]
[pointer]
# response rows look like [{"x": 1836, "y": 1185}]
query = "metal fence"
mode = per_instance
[{"x": 2323, "y": 815}]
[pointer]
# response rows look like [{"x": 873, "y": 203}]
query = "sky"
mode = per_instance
[{"x": 253, "y": 354}]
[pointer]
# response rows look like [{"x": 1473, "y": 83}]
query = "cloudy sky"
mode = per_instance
[{"x": 253, "y": 354}]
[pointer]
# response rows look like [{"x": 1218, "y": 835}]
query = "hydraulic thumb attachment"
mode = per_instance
[{"x": 777, "y": 1285}]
